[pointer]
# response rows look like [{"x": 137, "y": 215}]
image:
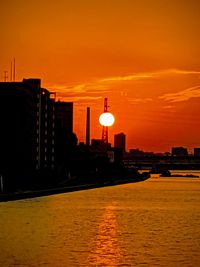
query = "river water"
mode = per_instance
[{"x": 150, "y": 223}]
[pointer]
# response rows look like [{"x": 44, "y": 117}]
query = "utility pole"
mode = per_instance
[
  {"x": 1, "y": 183},
  {"x": 5, "y": 75}
]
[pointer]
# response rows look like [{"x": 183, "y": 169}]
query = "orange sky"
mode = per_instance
[{"x": 143, "y": 55}]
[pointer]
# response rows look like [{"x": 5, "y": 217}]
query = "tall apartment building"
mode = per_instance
[
  {"x": 46, "y": 144},
  {"x": 27, "y": 127},
  {"x": 35, "y": 130},
  {"x": 64, "y": 116},
  {"x": 63, "y": 131}
]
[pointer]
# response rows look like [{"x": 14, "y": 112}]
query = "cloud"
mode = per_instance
[
  {"x": 136, "y": 101},
  {"x": 148, "y": 75},
  {"x": 168, "y": 107},
  {"x": 133, "y": 77},
  {"x": 74, "y": 96},
  {"x": 103, "y": 85},
  {"x": 183, "y": 95}
]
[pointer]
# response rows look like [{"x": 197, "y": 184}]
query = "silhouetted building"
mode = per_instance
[
  {"x": 18, "y": 119},
  {"x": 197, "y": 152},
  {"x": 120, "y": 141},
  {"x": 65, "y": 139},
  {"x": 27, "y": 128},
  {"x": 99, "y": 145},
  {"x": 135, "y": 152},
  {"x": 47, "y": 130},
  {"x": 64, "y": 116},
  {"x": 179, "y": 151}
]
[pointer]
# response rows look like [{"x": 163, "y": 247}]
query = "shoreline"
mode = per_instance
[{"x": 59, "y": 190}]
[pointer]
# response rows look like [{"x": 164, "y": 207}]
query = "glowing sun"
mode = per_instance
[{"x": 106, "y": 119}]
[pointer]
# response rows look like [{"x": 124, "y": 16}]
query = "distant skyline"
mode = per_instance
[{"x": 143, "y": 55}]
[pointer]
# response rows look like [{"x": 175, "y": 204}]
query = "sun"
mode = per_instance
[{"x": 106, "y": 119}]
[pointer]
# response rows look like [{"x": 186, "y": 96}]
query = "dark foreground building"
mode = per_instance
[
  {"x": 120, "y": 141},
  {"x": 28, "y": 132}
]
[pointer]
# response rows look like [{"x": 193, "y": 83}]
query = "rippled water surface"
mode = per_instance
[{"x": 151, "y": 223}]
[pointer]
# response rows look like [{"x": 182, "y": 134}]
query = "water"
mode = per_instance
[{"x": 151, "y": 223}]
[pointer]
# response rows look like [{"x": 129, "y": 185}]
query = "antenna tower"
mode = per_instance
[{"x": 105, "y": 128}]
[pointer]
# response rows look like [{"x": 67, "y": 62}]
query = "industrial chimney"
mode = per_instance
[{"x": 88, "y": 128}]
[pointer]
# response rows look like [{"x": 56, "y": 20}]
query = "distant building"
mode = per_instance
[
  {"x": 120, "y": 141},
  {"x": 197, "y": 152},
  {"x": 179, "y": 151},
  {"x": 135, "y": 152},
  {"x": 98, "y": 145}
]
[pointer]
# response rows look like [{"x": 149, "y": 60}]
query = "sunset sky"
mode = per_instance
[{"x": 144, "y": 55}]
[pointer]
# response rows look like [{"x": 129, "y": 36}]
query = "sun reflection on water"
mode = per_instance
[{"x": 106, "y": 250}]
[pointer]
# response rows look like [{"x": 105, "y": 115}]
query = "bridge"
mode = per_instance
[{"x": 163, "y": 162}]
